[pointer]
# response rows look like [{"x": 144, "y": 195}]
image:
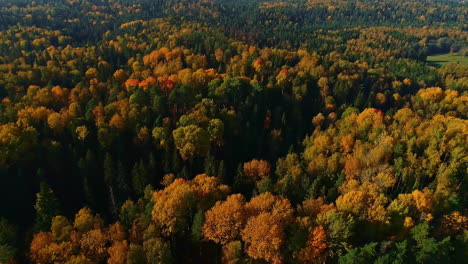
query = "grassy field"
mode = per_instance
[{"x": 442, "y": 59}]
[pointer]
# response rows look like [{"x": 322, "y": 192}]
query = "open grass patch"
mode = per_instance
[{"x": 440, "y": 60}]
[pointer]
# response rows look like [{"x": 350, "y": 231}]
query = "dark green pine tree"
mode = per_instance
[
  {"x": 197, "y": 226},
  {"x": 152, "y": 169},
  {"x": 184, "y": 173},
  {"x": 8, "y": 236},
  {"x": 175, "y": 161},
  {"x": 139, "y": 177},
  {"x": 210, "y": 165},
  {"x": 46, "y": 207},
  {"x": 109, "y": 180},
  {"x": 222, "y": 172},
  {"x": 239, "y": 179}
]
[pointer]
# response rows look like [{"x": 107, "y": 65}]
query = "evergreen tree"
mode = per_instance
[{"x": 46, "y": 207}]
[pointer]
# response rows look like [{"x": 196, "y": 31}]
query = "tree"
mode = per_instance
[
  {"x": 136, "y": 255},
  {"x": 173, "y": 206},
  {"x": 197, "y": 226},
  {"x": 157, "y": 251},
  {"x": 264, "y": 237},
  {"x": 216, "y": 131},
  {"x": 191, "y": 141},
  {"x": 140, "y": 177},
  {"x": 225, "y": 220},
  {"x": 86, "y": 221},
  {"x": 315, "y": 250},
  {"x": 232, "y": 253},
  {"x": 61, "y": 228},
  {"x": 94, "y": 245},
  {"x": 257, "y": 169},
  {"x": 46, "y": 207},
  {"x": 118, "y": 253},
  {"x": 366, "y": 254},
  {"x": 7, "y": 241}
]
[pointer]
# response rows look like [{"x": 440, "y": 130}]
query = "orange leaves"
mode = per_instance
[
  {"x": 413, "y": 204},
  {"x": 39, "y": 242},
  {"x": 260, "y": 223},
  {"x": 223, "y": 222},
  {"x": 174, "y": 204},
  {"x": 407, "y": 81},
  {"x": 423, "y": 201},
  {"x": 315, "y": 251},
  {"x": 120, "y": 75},
  {"x": 282, "y": 78},
  {"x": 257, "y": 169},
  {"x": 118, "y": 253},
  {"x": 263, "y": 233},
  {"x": 263, "y": 237},
  {"x": 258, "y": 65},
  {"x": 209, "y": 190},
  {"x": 93, "y": 245},
  {"x": 131, "y": 84},
  {"x": 454, "y": 223},
  {"x": 44, "y": 250},
  {"x": 117, "y": 122}
]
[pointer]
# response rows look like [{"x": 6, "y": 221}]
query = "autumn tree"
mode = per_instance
[{"x": 225, "y": 220}]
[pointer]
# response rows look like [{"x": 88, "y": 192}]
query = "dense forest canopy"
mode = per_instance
[{"x": 233, "y": 131}]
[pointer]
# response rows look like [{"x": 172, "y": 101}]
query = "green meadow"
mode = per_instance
[{"x": 442, "y": 59}]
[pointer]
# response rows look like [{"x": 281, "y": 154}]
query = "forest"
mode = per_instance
[{"x": 233, "y": 131}]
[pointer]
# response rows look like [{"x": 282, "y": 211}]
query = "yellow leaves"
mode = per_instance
[
  {"x": 85, "y": 221},
  {"x": 384, "y": 180},
  {"x": 172, "y": 206},
  {"x": 347, "y": 143},
  {"x": 120, "y": 75},
  {"x": 282, "y": 78},
  {"x": 91, "y": 73},
  {"x": 434, "y": 94},
  {"x": 60, "y": 228},
  {"x": 57, "y": 121},
  {"x": 353, "y": 202},
  {"x": 454, "y": 223},
  {"x": 31, "y": 115},
  {"x": 352, "y": 167},
  {"x": 191, "y": 141},
  {"x": 408, "y": 223},
  {"x": 380, "y": 98},
  {"x": 413, "y": 203},
  {"x": 81, "y": 132},
  {"x": 369, "y": 119},
  {"x": 423, "y": 201}
]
